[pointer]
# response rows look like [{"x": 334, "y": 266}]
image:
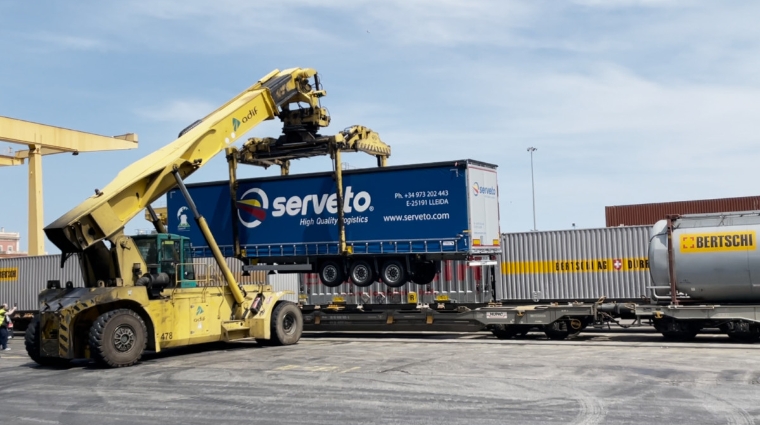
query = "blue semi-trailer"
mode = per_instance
[{"x": 400, "y": 221}]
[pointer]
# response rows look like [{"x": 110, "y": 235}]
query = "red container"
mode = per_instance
[{"x": 648, "y": 214}]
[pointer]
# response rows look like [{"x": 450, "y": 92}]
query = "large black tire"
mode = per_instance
[
  {"x": 286, "y": 326},
  {"x": 424, "y": 273},
  {"x": 118, "y": 338},
  {"x": 331, "y": 274},
  {"x": 393, "y": 273},
  {"x": 32, "y": 345},
  {"x": 362, "y": 274}
]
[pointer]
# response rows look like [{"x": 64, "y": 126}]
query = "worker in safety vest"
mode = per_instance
[{"x": 5, "y": 318}]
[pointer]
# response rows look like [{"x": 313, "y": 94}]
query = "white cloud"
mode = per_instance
[
  {"x": 629, "y": 3},
  {"x": 70, "y": 42}
]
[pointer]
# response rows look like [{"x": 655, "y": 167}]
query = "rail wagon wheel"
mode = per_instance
[
  {"x": 361, "y": 273},
  {"x": 561, "y": 329},
  {"x": 506, "y": 331},
  {"x": 331, "y": 274},
  {"x": 745, "y": 337},
  {"x": 738, "y": 333},
  {"x": 286, "y": 325},
  {"x": 118, "y": 338},
  {"x": 32, "y": 344},
  {"x": 676, "y": 330},
  {"x": 393, "y": 273}
]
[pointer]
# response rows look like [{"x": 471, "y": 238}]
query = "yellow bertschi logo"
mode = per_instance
[
  {"x": 745, "y": 240},
  {"x": 8, "y": 273}
]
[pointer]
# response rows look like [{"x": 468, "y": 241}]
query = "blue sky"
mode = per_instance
[{"x": 627, "y": 101}]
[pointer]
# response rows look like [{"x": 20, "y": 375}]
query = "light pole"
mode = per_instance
[{"x": 532, "y": 185}]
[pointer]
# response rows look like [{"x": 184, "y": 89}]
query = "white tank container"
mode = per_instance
[{"x": 716, "y": 256}]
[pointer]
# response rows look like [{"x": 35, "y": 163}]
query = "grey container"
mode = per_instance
[
  {"x": 30, "y": 276},
  {"x": 458, "y": 281},
  {"x": 22, "y": 278},
  {"x": 577, "y": 264}
]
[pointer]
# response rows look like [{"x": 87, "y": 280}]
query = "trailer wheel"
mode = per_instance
[
  {"x": 361, "y": 273},
  {"x": 331, "y": 274},
  {"x": 286, "y": 326},
  {"x": 118, "y": 338},
  {"x": 393, "y": 273},
  {"x": 424, "y": 273},
  {"x": 32, "y": 344}
]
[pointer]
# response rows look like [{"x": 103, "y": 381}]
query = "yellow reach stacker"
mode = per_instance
[{"x": 141, "y": 292}]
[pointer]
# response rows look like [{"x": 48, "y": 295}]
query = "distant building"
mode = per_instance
[{"x": 10, "y": 244}]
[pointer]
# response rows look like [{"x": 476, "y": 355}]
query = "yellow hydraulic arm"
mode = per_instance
[{"x": 104, "y": 215}]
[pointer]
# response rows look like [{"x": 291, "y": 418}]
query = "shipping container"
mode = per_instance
[
  {"x": 649, "y": 214},
  {"x": 456, "y": 280},
  {"x": 22, "y": 278},
  {"x": 578, "y": 264}
]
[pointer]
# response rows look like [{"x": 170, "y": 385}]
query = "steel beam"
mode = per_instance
[
  {"x": 10, "y": 160},
  {"x": 61, "y": 139},
  {"x": 36, "y": 217}
]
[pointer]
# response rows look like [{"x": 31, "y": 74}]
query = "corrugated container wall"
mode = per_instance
[
  {"x": 22, "y": 278},
  {"x": 285, "y": 282},
  {"x": 648, "y": 214},
  {"x": 579, "y": 264},
  {"x": 462, "y": 284}
]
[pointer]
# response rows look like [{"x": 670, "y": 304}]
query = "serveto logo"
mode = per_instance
[
  {"x": 252, "y": 207},
  {"x": 295, "y": 205},
  {"x": 182, "y": 218},
  {"x": 485, "y": 190}
]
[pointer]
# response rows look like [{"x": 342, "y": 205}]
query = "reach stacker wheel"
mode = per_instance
[
  {"x": 32, "y": 345},
  {"x": 286, "y": 327},
  {"x": 118, "y": 338}
]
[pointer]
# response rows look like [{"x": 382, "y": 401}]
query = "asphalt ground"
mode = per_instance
[{"x": 429, "y": 378}]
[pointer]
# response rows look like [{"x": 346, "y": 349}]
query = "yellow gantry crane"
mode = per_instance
[{"x": 41, "y": 139}]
